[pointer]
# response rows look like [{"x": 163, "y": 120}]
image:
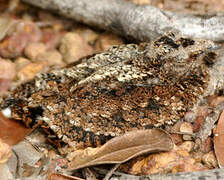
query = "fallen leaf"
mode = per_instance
[
  {"x": 12, "y": 131},
  {"x": 218, "y": 140},
  {"x": 123, "y": 148},
  {"x": 55, "y": 176}
]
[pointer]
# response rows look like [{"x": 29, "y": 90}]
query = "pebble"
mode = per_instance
[
  {"x": 73, "y": 47},
  {"x": 33, "y": 49},
  {"x": 53, "y": 58},
  {"x": 186, "y": 127},
  {"x": 106, "y": 40},
  {"x": 187, "y": 145},
  {"x": 30, "y": 70},
  {"x": 209, "y": 160},
  {"x": 21, "y": 62}
]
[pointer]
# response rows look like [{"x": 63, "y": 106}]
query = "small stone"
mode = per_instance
[
  {"x": 73, "y": 47},
  {"x": 33, "y": 49},
  {"x": 197, "y": 145},
  {"x": 186, "y": 128},
  {"x": 209, "y": 160},
  {"x": 197, "y": 156},
  {"x": 174, "y": 128},
  {"x": 22, "y": 34},
  {"x": 199, "y": 121},
  {"x": 189, "y": 116},
  {"x": 53, "y": 58},
  {"x": 206, "y": 146},
  {"x": 21, "y": 62},
  {"x": 107, "y": 40},
  {"x": 7, "y": 73},
  {"x": 7, "y": 69},
  {"x": 30, "y": 70},
  {"x": 51, "y": 38},
  {"x": 177, "y": 138},
  {"x": 187, "y": 145},
  {"x": 187, "y": 137},
  {"x": 88, "y": 35}
]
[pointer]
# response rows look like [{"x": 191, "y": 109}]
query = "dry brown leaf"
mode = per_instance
[
  {"x": 218, "y": 140},
  {"x": 55, "y": 176},
  {"x": 11, "y": 131},
  {"x": 123, "y": 148}
]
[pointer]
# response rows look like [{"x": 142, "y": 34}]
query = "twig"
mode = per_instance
[
  {"x": 110, "y": 173},
  {"x": 215, "y": 174}
]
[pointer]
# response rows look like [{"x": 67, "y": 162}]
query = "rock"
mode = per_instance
[
  {"x": 21, "y": 62},
  {"x": 197, "y": 145},
  {"x": 73, "y": 47},
  {"x": 206, "y": 146},
  {"x": 187, "y": 145},
  {"x": 33, "y": 49},
  {"x": 177, "y": 138},
  {"x": 7, "y": 73},
  {"x": 197, "y": 156},
  {"x": 52, "y": 58},
  {"x": 187, "y": 137},
  {"x": 51, "y": 38},
  {"x": 210, "y": 160},
  {"x": 88, "y": 35},
  {"x": 7, "y": 69},
  {"x": 107, "y": 40},
  {"x": 186, "y": 128},
  {"x": 199, "y": 121},
  {"x": 30, "y": 70},
  {"x": 23, "y": 33}
]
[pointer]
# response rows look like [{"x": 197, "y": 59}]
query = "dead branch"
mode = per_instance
[
  {"x": 216, "y": 174},
  {"x": 139, "y": 22}
]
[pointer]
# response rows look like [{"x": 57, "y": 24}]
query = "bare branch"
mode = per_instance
[
  {"x": 139, "y": 22},
  {"x": 215, "y": 174}
]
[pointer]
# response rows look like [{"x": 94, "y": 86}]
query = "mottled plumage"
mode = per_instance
[{"x": 128, "y": 87}]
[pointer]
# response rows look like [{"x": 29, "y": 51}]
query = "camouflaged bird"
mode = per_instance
[{"x": 128, "y": 87}]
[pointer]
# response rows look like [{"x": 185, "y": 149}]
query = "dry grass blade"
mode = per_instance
[
  {"x": 218, "y": 140},
  {"x": 123, "y": 148}
]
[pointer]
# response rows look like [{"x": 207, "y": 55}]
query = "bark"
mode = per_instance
[
  {"x": 139, "y": 22},
  {"x": 216, "y": 174}
]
